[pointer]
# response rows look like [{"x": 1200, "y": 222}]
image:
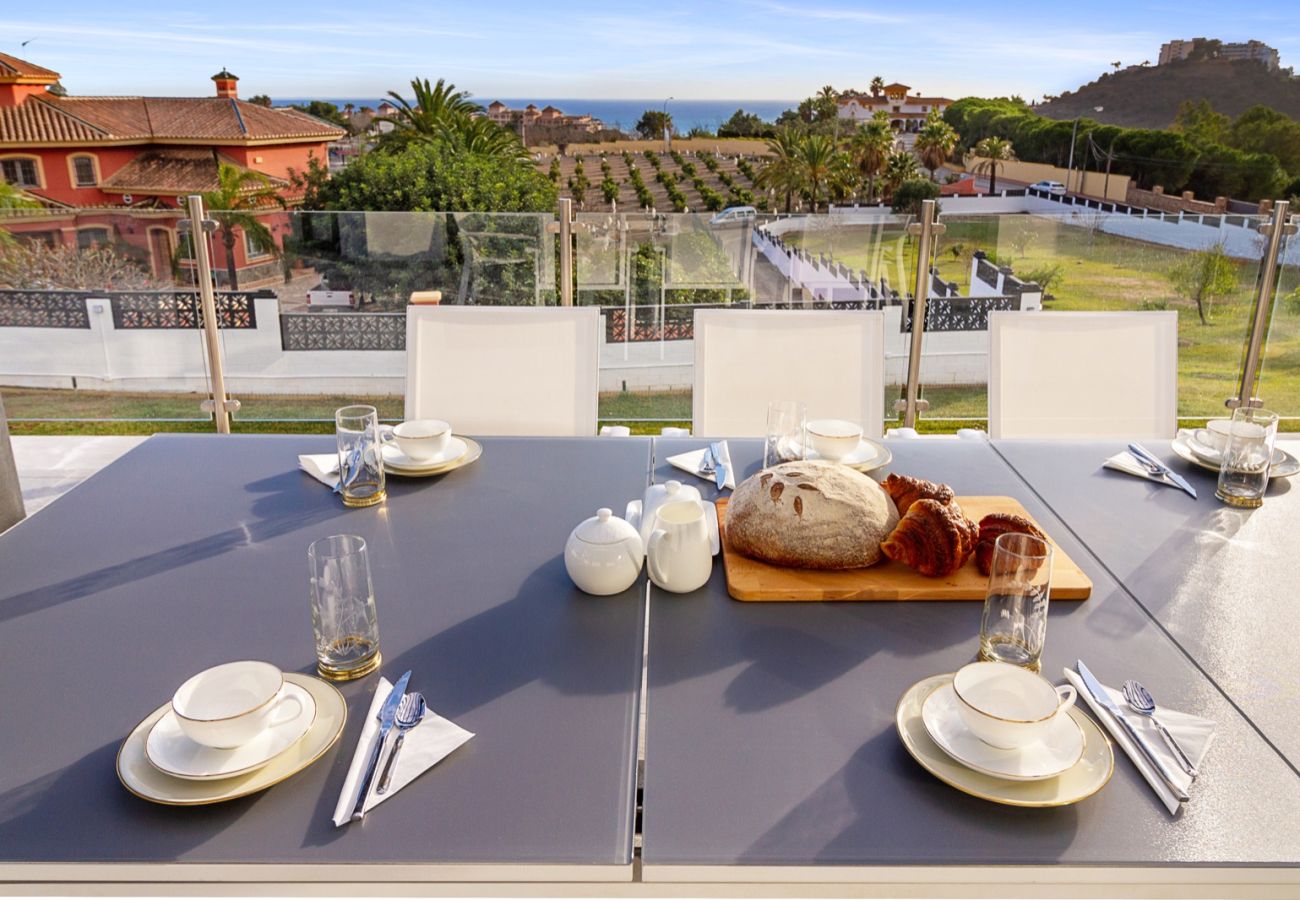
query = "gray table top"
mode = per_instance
[
  {"x": 191, "y": 550},
  {"x": 1221, "y": 580},
  {"x": 771, "y": 737}
]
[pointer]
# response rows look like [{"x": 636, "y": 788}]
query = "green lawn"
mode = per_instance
[{"x": 1100, "y": 272}]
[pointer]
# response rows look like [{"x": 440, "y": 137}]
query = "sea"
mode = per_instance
[{"x": 620, "y": 114}]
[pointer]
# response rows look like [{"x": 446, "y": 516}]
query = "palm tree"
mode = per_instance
[
  {"x": 240, "y": 194},
  {"x": 816, "y": 159},
  {"x": 826, "y": 103},
  {"x": 993, "y": 152},
  {"x": 877, "y": 86},
  {"x": 935, "y": 141},
  {"x": 901, "y": 166},
  {"x": 782, "y": 171},
  {"x": 13, "y": 198},
  {"x": 869, "y": 149},
  {"x": 485, "y": 138},
  {"x": 436, "y": 109}
]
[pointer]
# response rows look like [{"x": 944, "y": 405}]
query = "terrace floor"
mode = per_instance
[{"x": 49, "y": 467}]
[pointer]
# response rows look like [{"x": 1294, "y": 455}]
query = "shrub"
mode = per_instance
[{"x": 909, "y": 194}]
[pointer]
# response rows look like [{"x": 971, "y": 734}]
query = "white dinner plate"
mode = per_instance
[
  {"x": 1085, "y": 778},
  {"x": 140, "y": 778},
  {"x": 1185, "y": 445},
  {"x": 397, "y": 463},
  {"x": 1060, "y": 748},
  {"x": 868, "y": 456},
  {"x": 172, "y": 751}
]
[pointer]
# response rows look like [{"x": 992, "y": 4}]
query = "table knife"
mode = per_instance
[
  {"x": 1146, "y": 456},
  {"x": 720, "y": 472},
  {"x": 386, "y": 714},
  {"x": 1094, "y": 687}
]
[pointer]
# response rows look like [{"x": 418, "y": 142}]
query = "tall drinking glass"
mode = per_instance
[
  {"x": 343, "y": 608},
  {"x": 1247, "y": 457},
  {"x": 361, "y": 467},
  {"x": 1014, "y": 624},
  {"x": 787, "y": 433}
]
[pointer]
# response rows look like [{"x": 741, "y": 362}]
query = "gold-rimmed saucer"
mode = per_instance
[
  {"x": 142, "y": 779},
  {"x": 1085, "y": 778},
  {"x": 473, "y": 450}
]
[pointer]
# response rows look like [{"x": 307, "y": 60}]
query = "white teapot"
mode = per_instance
[
  {"x": 603, "y": 554},
  {"x": 642, "y": 513}
]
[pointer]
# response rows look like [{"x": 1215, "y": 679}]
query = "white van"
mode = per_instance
[{"x": 734, "y": 215}]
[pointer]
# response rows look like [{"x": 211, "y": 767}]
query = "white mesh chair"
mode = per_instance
[
  {"x": 504, "y": 370},
  {"x": 1083, "y": 374},
  {"x": 833, "y": 361}
]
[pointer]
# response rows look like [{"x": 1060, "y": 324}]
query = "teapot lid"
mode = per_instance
[{"x": 605, "y": 528}]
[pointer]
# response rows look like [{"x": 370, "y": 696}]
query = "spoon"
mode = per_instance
[
  {"x": 409, "y": 714},
  {"x": 1141, "y": 702}
]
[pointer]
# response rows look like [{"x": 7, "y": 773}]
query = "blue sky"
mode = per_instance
[{"x": 601, "y": 49}]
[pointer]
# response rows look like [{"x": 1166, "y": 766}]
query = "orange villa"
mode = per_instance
[
  {"x": 906, "y": 112},
  {"x": 83, "y": 157}
]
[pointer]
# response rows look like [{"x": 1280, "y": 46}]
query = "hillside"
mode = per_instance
[{"x": 1148, "y": 97}]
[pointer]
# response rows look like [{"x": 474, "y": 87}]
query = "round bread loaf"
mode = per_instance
[{"x": 811, "y": 515}]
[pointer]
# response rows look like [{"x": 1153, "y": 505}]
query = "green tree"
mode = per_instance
[
  {"x": 260, "y": 100},
  {"x": 826, "y": 104},
  {"x": 782, "y": 171},
  {"x": 993, "y": 152},
  {"x": 653, "y": 122},
  {"x": 13, "y": 198},
  {"x": 907, "y": 196},
  {"x": 439, "y": 110},
  {"x": 935, "y": 141},
  {"x": 877, "y": 86},
  {"x": 1263, "y": 130},
  {"x": 900, "y": 167},
  {"x": 816, "y": 160},
  {"x": 743, "y": 124},
  {"x": 240, "y": 196},
  {"x": 869, "y": 148},
  {"x": 1200, "y": 123},
  {"x": 430, "y": 176},
  {"x": 1204, "y": 276}
]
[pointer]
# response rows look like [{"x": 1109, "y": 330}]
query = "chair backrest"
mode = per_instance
[
  {"x": 1083, "y": 374},
  {"x": 11, "y": 494},
  {"x": 504, "y": 370},
  {"x": 833, "y": 361}
]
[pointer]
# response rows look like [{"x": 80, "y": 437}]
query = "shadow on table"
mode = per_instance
[
  {"x": 269, "y": 521},
  {"x": 107, "y": 817},
  {"x": 882, "y": 808}
]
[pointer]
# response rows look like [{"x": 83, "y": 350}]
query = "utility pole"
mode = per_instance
[{"x": 668, "y": 140}]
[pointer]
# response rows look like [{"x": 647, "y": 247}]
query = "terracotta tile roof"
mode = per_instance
[
  {"x": 103, "y": 120},
  {"x": 13, "y": 67},
  {"x": 37, "y": 122},
  {"x": 176, "y": 170}
]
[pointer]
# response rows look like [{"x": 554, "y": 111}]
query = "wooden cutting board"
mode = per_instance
[{"x": 751, "y": 579}]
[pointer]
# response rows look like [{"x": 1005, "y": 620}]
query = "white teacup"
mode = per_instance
[
  {"x": 229, "y": 705},
  {"x": 422, "y": 438},
  {"x": 833, "y": 439},
  {"x": 1006, "y": 706},
  {"x": 1216, "y": 434}
]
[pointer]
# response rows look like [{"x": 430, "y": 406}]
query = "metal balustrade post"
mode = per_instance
[
  {"x": 566, "y": 251},
  {"x": 927, "y": 230},
  {"x": 1276, "y": 229},
  {"x": 11, "y": 493},
  {"x": 218, "y": 404}
]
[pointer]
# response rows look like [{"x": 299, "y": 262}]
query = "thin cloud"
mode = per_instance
[{"x": 823, "y": 14}]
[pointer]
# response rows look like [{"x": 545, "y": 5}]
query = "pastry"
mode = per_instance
[
  {"x": 933, "y": 538},
  {"x": 905, "y": 491},
  {"x": 994, "y": 525},
  {"x": 812, "y": 514}
]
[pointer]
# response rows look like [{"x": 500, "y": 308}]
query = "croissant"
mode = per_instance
[
  {"x": 991, "y": 527},
  {"x": 932, "y": 538},
  {"x": 905, "y": 491}
]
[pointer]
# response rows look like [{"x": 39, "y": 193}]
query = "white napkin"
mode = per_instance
[
  {"x": 691, "y": 459},
  {"x": 1127, "y": 463},
  {"x": 426, "y": 744},
  {"x": 1193, "y": 733},
  {"x": 324, "y": 467}
]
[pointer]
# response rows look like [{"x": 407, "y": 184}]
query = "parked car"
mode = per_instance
[
  {"x": 1048, "y": 187},
  {"x": 734, "y": 215}
]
